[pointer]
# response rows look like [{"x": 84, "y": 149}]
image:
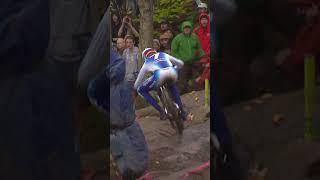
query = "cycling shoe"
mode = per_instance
[
  {"x": 184, "y": 116},
  {"x": 163, "y": 116}
]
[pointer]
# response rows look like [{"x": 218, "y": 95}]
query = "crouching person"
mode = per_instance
[
  {"x": 102, "y": 73},
  {"x": 127, "y": 142}
]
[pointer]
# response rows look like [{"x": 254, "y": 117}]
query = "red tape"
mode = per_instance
[{"x": 196, "y": 170}]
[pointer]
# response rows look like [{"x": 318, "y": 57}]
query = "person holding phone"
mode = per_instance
[{"x": 127, "y": 28}]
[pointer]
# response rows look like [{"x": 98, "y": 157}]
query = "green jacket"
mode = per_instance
[{"x": 186, "y": 47}]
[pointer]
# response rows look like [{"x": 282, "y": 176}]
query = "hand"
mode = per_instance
[
  {"x": 198, "y": 79},
  {"x": 130, "y": 21},
  {"x": 176, "y": 67},
  {"x": 204, "y": 59},
  {"x": 125, "y": 20},
  {"x": 197, "y": 53}
]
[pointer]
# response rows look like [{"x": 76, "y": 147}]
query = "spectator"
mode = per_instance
[
  {"x": 164, "y": 28},
  {"x": 164, "y": 25},
  {"x": 109, "y": 86},
  {"x": 127, "y": 28},
  {"x": 131, "y": 55},
  {"x": 156, "y": 45},
  {"x": 116, "y": 24},
  {"x": 202, "y": 8},
  {"x": 121, "y": 45},
  {"x": 165, "y": 44},
  {"x": 169, "y": 33},
  {"x": 186, "y": 46},
  {"x": 203, "y": 32}
]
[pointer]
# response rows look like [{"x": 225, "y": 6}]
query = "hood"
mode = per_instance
[
  {"x": 204, "y": 15},
  {"x": 186, "y": 23}
]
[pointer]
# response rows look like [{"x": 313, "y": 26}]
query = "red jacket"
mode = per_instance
[
  {"x": 205, "y": 62},
  {"x": 204, "y": 34},
  {"x": 307, "y": 39}
]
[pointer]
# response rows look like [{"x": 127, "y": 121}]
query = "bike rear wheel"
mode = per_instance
[{"x": 171, "y": 108}]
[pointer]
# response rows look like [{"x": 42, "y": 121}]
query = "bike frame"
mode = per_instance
[{"x": 174, "y": 117}]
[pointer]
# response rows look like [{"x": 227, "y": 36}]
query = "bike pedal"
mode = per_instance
[{"x": 169, "y": 116}]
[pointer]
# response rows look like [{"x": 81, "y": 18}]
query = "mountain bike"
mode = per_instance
[{"x": 171, "y": 108}]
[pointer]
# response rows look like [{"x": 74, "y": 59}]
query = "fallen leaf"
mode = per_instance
[
  {"x": 197, "y": 99},
  {"x": 277, "y": 118},
  {"x": 258, "y": 175},
  {"x": 191, "y": 117},
  {"x": 247, "y": 108},
  {"x": 266, "y": 96},
  {"x": 258, "y": 101}
]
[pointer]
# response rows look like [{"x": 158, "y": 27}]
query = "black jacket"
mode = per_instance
[{"x": 24, "y": 34}]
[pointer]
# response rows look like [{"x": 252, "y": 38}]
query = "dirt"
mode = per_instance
[
  {"x": 277, "y": 146},
  {"x": 269, "y": 137},
  {"x": 169, "y": 157}
]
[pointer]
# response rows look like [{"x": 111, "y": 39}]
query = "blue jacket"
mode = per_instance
[
  {"x": 111, "y": 94},
  {"x": 99, "y": 87}
]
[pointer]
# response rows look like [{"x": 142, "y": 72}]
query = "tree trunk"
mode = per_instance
[{"x": 146, "y": 25}]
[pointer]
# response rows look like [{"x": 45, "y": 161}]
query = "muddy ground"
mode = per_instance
[
  {"x": 169, "y": 157},
  {"x": 268, "y": 132}
]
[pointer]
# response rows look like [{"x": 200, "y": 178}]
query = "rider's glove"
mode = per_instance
[{"x": 176, "y": 67}]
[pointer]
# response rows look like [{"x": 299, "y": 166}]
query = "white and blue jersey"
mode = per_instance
[{"x": 161, "y": 66}]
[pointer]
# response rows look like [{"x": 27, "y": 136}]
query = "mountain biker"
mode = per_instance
[{"x": 163, "y": 69}]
